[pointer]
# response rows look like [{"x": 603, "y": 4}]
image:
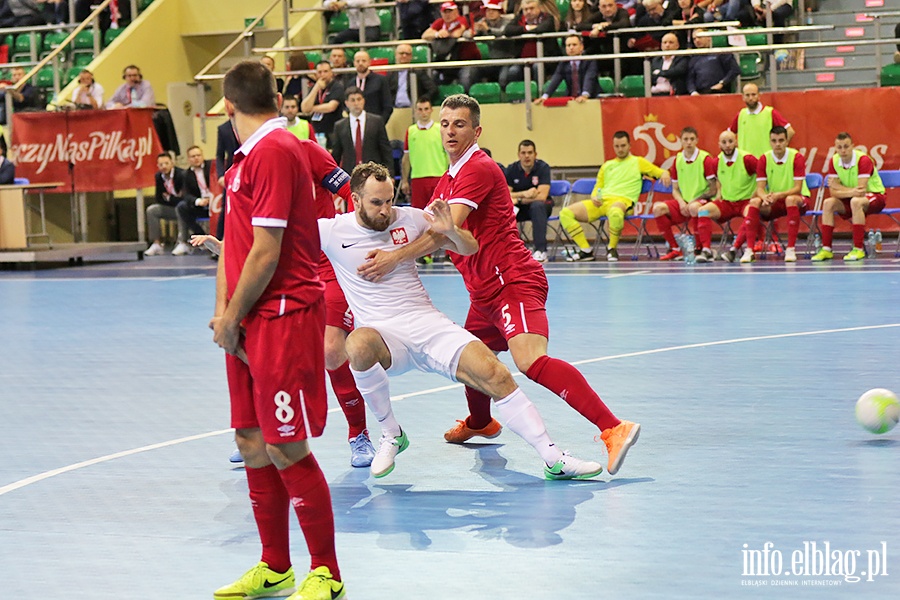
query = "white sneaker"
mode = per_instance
[
  {"x": 540, "y": 256},
  {"x": 748, "y": 256},
  {"x": 155, "y": 249},
  {"x": 569, "y": 467},
  {"x": 388, "y": 448},
  {"x": 181, "y": 249},
  {"x": 790, "y": 255}
]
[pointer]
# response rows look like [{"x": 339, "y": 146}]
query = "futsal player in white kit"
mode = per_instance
[{"x": 399, "y": 329}]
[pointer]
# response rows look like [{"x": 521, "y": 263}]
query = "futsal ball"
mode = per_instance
[{"x": 878, "y": 410}]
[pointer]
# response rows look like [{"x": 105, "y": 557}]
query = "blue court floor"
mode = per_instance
[{"x": 115, "y": 481}]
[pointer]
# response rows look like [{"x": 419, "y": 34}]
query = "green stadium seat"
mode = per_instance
[
  {"x": 890, "y": 75},
  {"x": 111, "y": 34},
  {"x": 420, "y": 54},
  {"x": 515, "y": 91},
  {"x": 53, "y": 40},
  {"x": 755, "y": 39},
  {"x": 313, "y": 58},
  {"x": 23, "y": 43},
  {"x": 84, "y": 40},
  {"x": 483, "y": 48},
  {"x": 5, "y": 75},
  {"x": 486, "y": 93},
  {"x": 750, "y": 65},
  {"x": 383, "y": 53},
  {"x": 82, "y": 60},
  {"x": 448, "y": 90},
  {"x": 563, "y": 6},
  {"x": 22, "y": 58},
  {"x": 9, "y": 40},
  {"x": 143, "y": 4},
  {"x": 71, "y": 75},
  {"x": 607, "y": 85},
  {"x": 44, "y": 78},
  {"x": 339, "y": 22},
  {"x": 386, "y": 19},
  {"x": 720, "y": 41},
  {"x": 632, "y": 86}
]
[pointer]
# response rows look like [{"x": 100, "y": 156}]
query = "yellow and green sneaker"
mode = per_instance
[
  {"x": 259, "y": 582},
  {"x": 319, "y": 585},
  {"x": 823, "y": 255},
  {"x": 855, "y": 254}
]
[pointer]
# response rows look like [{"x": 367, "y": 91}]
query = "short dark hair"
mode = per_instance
[
  {"x": 352, "y": 90},
  {"x": 778, "y": 130},
  {"x": 291, "y": 99},
  {"x": 622, "y": 134},
  {"x": 194, "y": 147},
  {"x": 324, "y": 62},
  {"x": 527, "y": 143},
  {"x": 363, "y": 171},
  {"x": 250, "y": 86},
  {"x": 164, "y": 154},
  {"x": 843, "y": 136},
  {"x": 423, "y": 100},
  {"x": 464, "y": 101},
  {"x": 690, "y": 130},
  {"x": 576, "y": 36}
]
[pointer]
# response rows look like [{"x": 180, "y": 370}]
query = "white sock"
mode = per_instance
[
  {"x": 375, "y": 388},
  {"x": 522, "y": 417}
]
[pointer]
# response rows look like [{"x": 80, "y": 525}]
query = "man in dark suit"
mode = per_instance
[
  {"x": 400, "y": 82},
  {"x": 196, "y": 196},
  {"x": 7, "y": 168},
  {"x": 374, "y": 87},
  {"x": 668, "y": 74},
  {"x": 226, "y": 145},
  {"x": 349, "y": 150},
  {"x": 584, "y": 84},
  {"x": 169, "y": 192}
]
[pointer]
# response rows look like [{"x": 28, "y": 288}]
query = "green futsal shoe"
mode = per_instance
[
  {"x": 569, "y": 467},
  {"x": 823, "y": 255},
  {"x": 855, "y": 254},
  {"x": 258, "y": 582},
  {"x": 319, "y": 585}
]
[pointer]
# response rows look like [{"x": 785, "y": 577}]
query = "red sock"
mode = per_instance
[
  {"x": 692, "y": 226},
  {"x": 568, "y": 383},
  {"x": 349, "y": 398},
  {"x": 793, "y": 216},
  {"x": 665, "y": 228},
  {"x": 751, "y": 225},
  {"x": 741, "y": 237},
  {"x": 309, "y": 494},
  {"x": 479, "y": 409},
  {"x": 271, "y": 509},
  {"x": 859, "y": 234},
  {"x": 704, "y": 231},
  {"x": 827, "y": 235}
]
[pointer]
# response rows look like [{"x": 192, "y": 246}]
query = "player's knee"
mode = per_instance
[
  {"x": 285, "y": 455},
  {"x": 755, "y": 202},
  {"x": 497, "y": 381},
  {"x": 362, "y": 348},
  {"x": 252, "y": 447},
  {"x": 830, "y": 204},
  {"x": 858, "y": 202},
  {"x": 335, "y": 356},
  {"x": 660, "y": 209}
]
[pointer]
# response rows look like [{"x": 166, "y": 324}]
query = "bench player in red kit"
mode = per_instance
[
  {"x": 268, "y": 294},
  {"x": 507, "y": 287}
]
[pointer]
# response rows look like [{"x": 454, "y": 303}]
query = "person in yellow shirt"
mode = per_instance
[{"x": 617, "y": 190}]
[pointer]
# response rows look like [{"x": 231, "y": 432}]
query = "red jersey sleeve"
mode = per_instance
[
  {"x": 799, "y": 166},
  {"x": 778, "y": 120},
  {"x": 866, "y": 166},
  {"x": 734, "y": 125},
  {"x": 710, "y": 167},
  {"x": 761, "y": 167},
  {"x": 831, "y": 170},
  {"x": 673, "y": 172},
  {"x": 406, "y": 142},
  {"x": 469, "y": 188},
  {"x": 750, "y": 163},
  {"x": 270, "y": 206}
]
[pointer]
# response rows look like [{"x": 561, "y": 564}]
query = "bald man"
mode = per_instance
[
  {"x": 374, "y": 87},
  {"x": 754, "y": 122}
]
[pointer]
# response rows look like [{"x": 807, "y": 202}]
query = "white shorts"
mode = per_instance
[{"x": 424, "y": 340}]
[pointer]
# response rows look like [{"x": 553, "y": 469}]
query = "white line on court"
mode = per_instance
[
  {"x": 628, "y": 274},
  {"x": 87, "y": 463}
]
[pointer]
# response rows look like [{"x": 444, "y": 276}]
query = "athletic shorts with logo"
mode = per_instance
[
  {"x": 876, "y": 204},
  {"x": 282, "y": 389},
  {"x": 518, "y": 308},
  {"x": 779, "y": 209}
]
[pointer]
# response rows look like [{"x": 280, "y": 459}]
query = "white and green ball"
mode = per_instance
[{"x": 878, "y": 410}]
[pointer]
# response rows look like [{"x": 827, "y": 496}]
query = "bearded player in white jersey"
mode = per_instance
[{"x": 399, "y": 329}]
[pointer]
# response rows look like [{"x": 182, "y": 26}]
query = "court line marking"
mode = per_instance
[{"x": 102, "y": 459}]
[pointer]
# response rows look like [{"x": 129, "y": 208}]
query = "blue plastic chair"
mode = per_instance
[
  {"x": 559, "y": 191},
  {"x": 891, "y": 180}
]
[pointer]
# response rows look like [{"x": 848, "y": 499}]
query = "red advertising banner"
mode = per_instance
[{"x": 106, "y": 149}]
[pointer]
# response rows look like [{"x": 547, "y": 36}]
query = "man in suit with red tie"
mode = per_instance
[
  {"x": 580, "y": 76},
  {"x": 195, "y": 204},
  {"x": 361, "y": 137}
]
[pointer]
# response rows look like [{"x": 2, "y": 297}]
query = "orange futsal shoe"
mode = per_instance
[
  {"x": 460, "y": 432},
  {"x": 618, "y": 440}
]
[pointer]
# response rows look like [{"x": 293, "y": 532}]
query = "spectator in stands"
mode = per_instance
[
  {"x": 400, "y": 82},
  {"x": 358, "y": 16},
  {"x": 290, "y": 108},
  {"x": 654, "y": 16},
  {"x": 535, "y": 18},
  {"x": 687, "y": 13},
  {"x": 270, "y": 64},
  {"x": 444, "y": 34},
  {"x": 580, "y": 76},
  {"x": 415, "y": 17},
  {"x": 529, "y": 185},
  {"x": 338, "y": 58},
  {"x": 226, "y": 145},
  {"x": 324, "y": 101},
  {"x": 7, "y": 168},
  {"x": 117, "y": 13},
  {"x": 609, "y": 18},
  {"x": 710, "y": 73},
  {"x": 169, "y": 192},
  {"x": 781, "y": 12},
  {"x": 375, "y": 87},
  {"x": 730, "y": 10},
  {"x": 195, "y": 199},
  {"x": 361, "y": 137},
  {"x": 424, "y": 158},
  {"x": 23, "y": 99},
  {"x": 134, "y": 93},
  {"x": 293, "y": 85},
  {"x": 29, "y": 13},
  {"x": 668, "y": 74},
  {"x": 494, "y": 22},
  {"x": 579, "y": 15},
  {"x": 89, "y": 93}
]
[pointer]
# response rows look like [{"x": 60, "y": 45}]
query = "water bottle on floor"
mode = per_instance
[
  {"x": 870, "y": 243},
  {"x": 817, "y": 242},
  {"x": 878, "y": 240}
]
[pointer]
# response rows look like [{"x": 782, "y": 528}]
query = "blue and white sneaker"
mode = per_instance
[
  {"x": 236, "y": 458},
  {"x": 362, "y": 452}
]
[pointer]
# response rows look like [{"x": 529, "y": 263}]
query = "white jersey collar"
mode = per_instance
[
  {"x": 264, "y": 130},
  {"x": 454, "y": 168}
]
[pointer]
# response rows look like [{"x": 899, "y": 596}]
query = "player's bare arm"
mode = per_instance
[
  {"x": 666, "y": 178},
  {"x": 458, "y": 239},
  {"x": 258, "y": 270}
]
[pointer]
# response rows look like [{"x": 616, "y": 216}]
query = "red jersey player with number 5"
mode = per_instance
[{"x": 507, "y": 288}]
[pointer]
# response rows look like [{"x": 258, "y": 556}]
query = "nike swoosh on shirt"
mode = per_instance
[{"x": 348, "y": 245}]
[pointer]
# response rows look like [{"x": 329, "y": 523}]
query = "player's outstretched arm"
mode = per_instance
[
  {"x": 457, "y": 239},
  {"x": 211, "y": 243}
]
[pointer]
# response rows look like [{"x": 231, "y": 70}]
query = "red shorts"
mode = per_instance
[
  {"x": 675, "y": 212},
  {"x": 518, "y": 308},
  {"x": 729, "y": 209},
  {"x": 876, "y": 204},
  {"x": 337, "y": 311},
  {"x": 779, "y": 209},
  {"x": 421, "y": 190},
  {"x": 282, "y": 390}
]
